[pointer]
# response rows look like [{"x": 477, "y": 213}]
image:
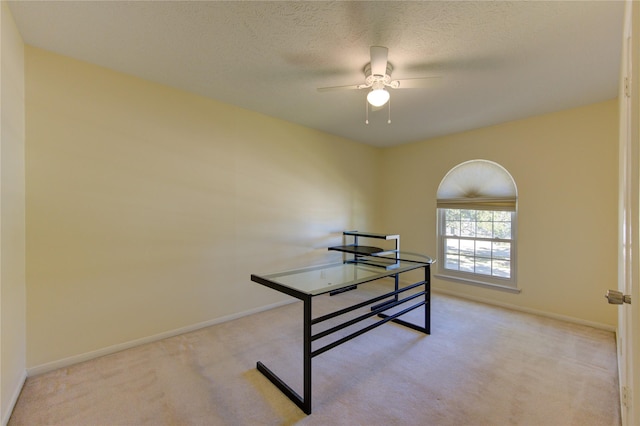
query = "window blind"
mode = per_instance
[{"x": 478, "y": 185}]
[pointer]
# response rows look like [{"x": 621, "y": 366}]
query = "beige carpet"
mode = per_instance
[{"x": 480, "y": 366}]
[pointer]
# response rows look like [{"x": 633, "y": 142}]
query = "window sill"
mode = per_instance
[{"x": 478, "y": 283}]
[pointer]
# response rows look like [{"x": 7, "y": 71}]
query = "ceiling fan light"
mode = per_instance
[{"x": 378, "y": 97}]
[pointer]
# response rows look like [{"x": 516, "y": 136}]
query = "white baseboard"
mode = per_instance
[
  {"x": 14, "y": 399},
  {"x": 566, "y": 318},
  {"x": 66, "y": 362}
]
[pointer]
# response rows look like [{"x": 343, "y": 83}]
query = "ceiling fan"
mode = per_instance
[{"x": 378, "y": 78}]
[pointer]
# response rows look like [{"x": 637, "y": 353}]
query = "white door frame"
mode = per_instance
[{"x": 629, "y": 218}]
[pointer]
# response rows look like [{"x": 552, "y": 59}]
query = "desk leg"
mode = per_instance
[
  {"x": 307, "y": 356},
  {"x": 427, "y": 298},
  {"x": 427, "y": 306},
  {"x": 303, "y": 402}
]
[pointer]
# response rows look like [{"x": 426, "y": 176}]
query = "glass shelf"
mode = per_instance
[{"x": 361, "y": 250}]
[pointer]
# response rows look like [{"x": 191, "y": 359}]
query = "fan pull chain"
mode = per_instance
[
  {"x": 389, "y": 120},
  {"x": 366, "y": 108}
]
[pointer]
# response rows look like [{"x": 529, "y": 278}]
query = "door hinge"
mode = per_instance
[
  {"x": 626, "y": 396},
  {"x": 627, "y": 87}
]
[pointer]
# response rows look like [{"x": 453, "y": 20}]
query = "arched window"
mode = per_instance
[{"x": 477, "y": 212}]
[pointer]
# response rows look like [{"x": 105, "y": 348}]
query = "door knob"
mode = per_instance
[{"x": 617, "y": 298}]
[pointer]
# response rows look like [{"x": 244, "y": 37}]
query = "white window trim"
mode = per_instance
[
  {"x": 478, "y": 283},
  {"x": 478, "y": 185},
  {"x": 496, "y": 283}
]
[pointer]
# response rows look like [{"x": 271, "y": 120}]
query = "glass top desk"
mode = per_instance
[{"x": 306, "y": 283}]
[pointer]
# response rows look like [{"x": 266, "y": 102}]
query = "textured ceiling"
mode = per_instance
[{"x": 498, "y": 61}]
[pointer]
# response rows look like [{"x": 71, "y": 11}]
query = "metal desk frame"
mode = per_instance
[{"x": 384, "y": 267}]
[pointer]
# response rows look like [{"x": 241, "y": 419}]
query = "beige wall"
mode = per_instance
[
  {"x": 565, "y": 167},
  {"x": 12, "y": 214},
  {"x": 148, "y": 207}
]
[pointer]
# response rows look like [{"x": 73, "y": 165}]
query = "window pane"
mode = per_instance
[
  {"x": 483, "y": 266},
  {"x": 483, "y": 249},
  {"x": 500, "y": 216},
  {"x": 452, "y": 214},
  {"x": 451, "y": 261},
  {"x": 502, "y": 230},
  {"x": 502, "y": 268},
  {"x": 468, "y": 229},
  {"x": 452, "y": 228},
  {"x": 467, "y": 247},
  {"x": 468, "y": 215},
  {"x": 501, "y": 251},
  {"x": 484, "y": 216},
  {"x": 452, "y": 245},
  {"x": 484, "y": 229},
  {"x": 466, "y": 263}
]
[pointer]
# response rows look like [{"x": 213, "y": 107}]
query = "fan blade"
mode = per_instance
[
  {"x": 330, "y": 89},
  {"x": 379, "y": 60},
  {"x": 415, "y": 83}
]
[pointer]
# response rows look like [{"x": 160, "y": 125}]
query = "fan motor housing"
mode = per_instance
[{"x": 370, "y": 79}]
